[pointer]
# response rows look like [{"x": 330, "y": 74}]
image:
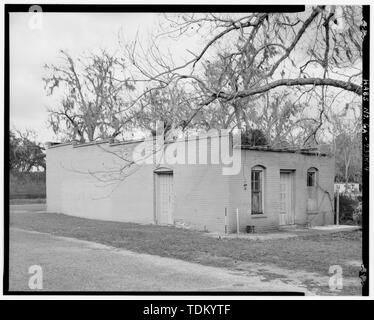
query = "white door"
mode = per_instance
[
  {"x": 164, "y": 200},
  {"x": 286, "y": 212}
]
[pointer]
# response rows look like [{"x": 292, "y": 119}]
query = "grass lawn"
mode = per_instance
[{"x": 312, "y": 253}]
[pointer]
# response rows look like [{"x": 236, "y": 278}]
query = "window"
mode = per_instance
[
  {"x": 311, "y": 182},
  {"x": 257, "y": 186},
  {"x": 311, "y": 177}
]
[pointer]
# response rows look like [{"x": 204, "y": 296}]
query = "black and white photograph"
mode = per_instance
[{"x": 186, "y": 150}]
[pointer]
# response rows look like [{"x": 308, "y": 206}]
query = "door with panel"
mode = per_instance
[
  {"x": 164, "y": 198},
  {"x": 286, "y": 212}
]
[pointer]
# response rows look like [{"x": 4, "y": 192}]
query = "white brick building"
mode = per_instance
[{"x": 271, "y": 189}]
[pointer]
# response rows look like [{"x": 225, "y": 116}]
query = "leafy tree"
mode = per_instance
[{"x": 25, "y": 153}]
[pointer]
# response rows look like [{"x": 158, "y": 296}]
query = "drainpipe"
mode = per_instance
[
  {"x": 337, "y": 208},
  {"x": 225, "y": 220}
]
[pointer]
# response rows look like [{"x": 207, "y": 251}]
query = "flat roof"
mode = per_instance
[
  {"x": 77, "y": 144},
  {"x": 307, "y": 151}
]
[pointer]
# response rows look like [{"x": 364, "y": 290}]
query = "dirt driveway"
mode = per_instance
[{"x": 74, "y": 265}]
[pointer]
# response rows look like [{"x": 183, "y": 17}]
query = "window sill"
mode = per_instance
[
  {"x": 258, "y": 216},
  {"x": 312, "y": 212}
]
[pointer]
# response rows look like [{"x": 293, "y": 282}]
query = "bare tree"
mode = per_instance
[
  {"x": 92, "y": 102},
  {"x": 247, "y": 70},
  {"x": 253, "y": 54},
  {"x": 347, "y": 140},
  {"x": 171, "y": 105}
]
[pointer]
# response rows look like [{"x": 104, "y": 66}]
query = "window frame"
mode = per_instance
[
  {"x": 312, "y": 191},
  {"x": 312, "y": 172},
  {"x": 311, "y": 179},
  {"x": 261, "y": 180}
]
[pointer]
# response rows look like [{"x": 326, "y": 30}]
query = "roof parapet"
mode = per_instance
[
  {"x": 51, "y": 145},
  {"x": 308, "y": 151}
]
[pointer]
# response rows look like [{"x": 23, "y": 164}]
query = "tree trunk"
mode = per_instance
[{"x": 237, "y": 115}]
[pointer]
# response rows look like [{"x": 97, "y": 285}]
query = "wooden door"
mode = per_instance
[
  {"x": 286, "y": 212},
  {"x": 164, "y": 200}
]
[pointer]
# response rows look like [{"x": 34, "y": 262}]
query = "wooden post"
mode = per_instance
[
  {"x": 337, "y": 208},
  {"x": 237, "y": 221}
]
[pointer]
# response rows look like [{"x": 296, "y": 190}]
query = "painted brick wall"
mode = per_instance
[
  {"x": 85, "y": 182},
  {"x": 201, "y": 197},
  {"x": 200, "y": 191},
  {"x": 274, "y": 162}
]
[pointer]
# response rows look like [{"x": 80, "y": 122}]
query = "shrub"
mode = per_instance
[
  {"x": 27, "y": 185},
  {"x": 357, "y": 215},
  {"x": 347, "y": 209}
]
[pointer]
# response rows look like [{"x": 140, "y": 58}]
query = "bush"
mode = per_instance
[
  {"x": 357, "y": 215},
  {"x": 27, "y": 185},
  {"x": 348, "y": 213}
]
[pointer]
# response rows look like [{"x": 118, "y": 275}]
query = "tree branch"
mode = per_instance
[{"x": 293, "y": 82}]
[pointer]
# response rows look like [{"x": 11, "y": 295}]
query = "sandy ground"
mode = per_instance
[{"x": 75, "y": 265}]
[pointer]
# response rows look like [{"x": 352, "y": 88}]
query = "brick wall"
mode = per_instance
[
  {"x": 76, "y": 186},
  {"x": 201, "y": 197},
  {"x": 85, "y": 182},
  {"x": 273, "y": 163},
  {"x": 200, "y": 191}
]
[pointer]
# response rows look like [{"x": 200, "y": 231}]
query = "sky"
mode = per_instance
[{"x": 32, "y": 48}]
